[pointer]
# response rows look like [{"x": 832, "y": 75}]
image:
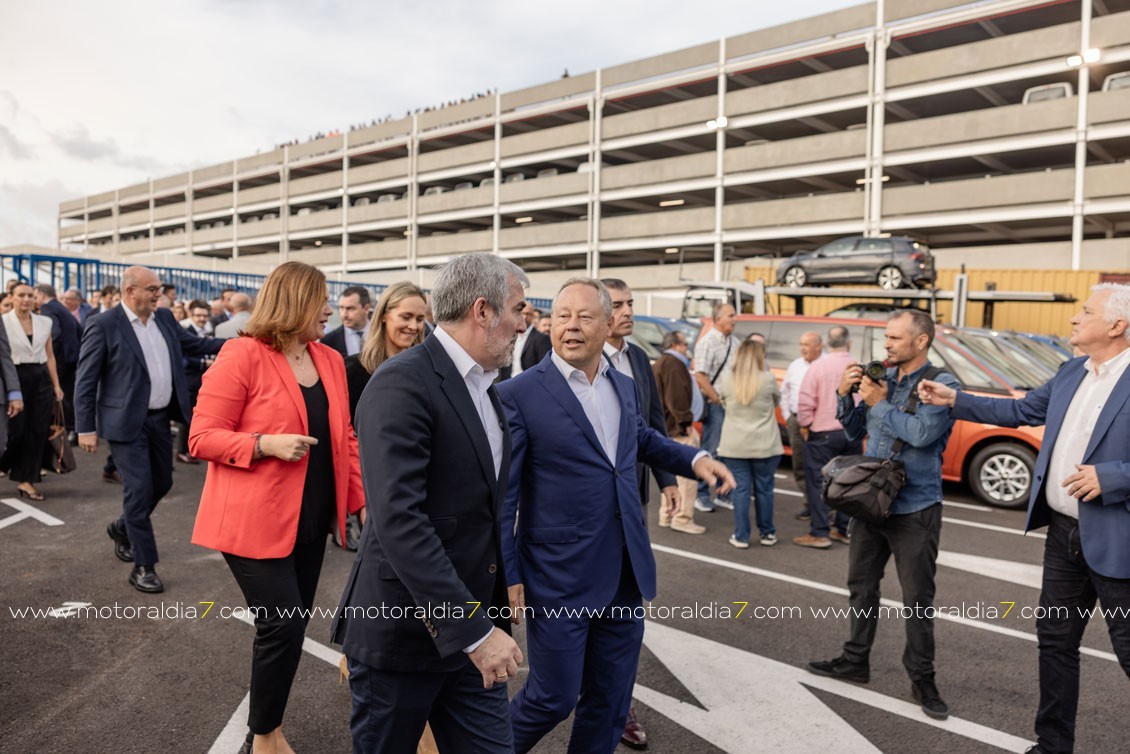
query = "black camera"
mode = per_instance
[{"x": 876, "y": 371}]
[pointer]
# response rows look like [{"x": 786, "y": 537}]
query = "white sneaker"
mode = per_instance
[
  {"x": 723, "y": 503},
  {"x": 769, "y": 540},
  {"x": 738, "y": 543},
  {"x": 704, "y": 507}
]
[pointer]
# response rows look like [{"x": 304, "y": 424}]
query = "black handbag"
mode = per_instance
[
  {"x": 865, "y": 487},
  {"x": 58, "y": 456}
]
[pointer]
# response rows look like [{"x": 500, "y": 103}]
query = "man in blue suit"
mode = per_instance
[
  {"x": 65, "y": 334},
  {"x": 131, "y": 383},
  {"x": 573, "y": 531},
  {"x": 1081, "y": 492}
]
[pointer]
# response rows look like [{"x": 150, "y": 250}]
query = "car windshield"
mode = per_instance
[
  {"x": 971, "y": 375},
  {"x": 1045, "y": 353},
  {"x": 649, "y": 331},
  {"x": 651, "y": 351},
  {"x": 1016, "y": 366}
]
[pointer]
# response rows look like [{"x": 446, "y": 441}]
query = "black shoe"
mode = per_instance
[
  {"x": 121, "y": 542},
  {"x": 1037, "y": 749},
  {"x": 112, "y": 476},
  {"x": 803, "y": 516},
  {"x": 247, "y": 742},
  {"x": 145, "y": 579},
  {"x": 841, "y": 668},
  {"x": 927, "y": 696}
]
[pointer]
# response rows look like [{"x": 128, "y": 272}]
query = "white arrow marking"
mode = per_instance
[
  {"x": 26, "y": 511},
  {"x": 741, "y": 690},
  {"x": 67, "y": 610},
  {"x": 1002, "y": 570}
]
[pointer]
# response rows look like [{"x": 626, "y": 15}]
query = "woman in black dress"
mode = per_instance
[
  {"x": 29, "y": 336},
  {"x": 397, "y": 325}
]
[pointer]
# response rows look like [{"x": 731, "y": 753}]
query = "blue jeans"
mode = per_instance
[
  {"x": 711, "y": 435},
  {"x": 753, "y": 475}
]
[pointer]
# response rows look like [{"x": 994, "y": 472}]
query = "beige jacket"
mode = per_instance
[{"x": 750, "y": 431}]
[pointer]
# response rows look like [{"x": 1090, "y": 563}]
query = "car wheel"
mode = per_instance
[
  {"x": 796, "y": 277},
  {"x": 891, "y": 278},
  {"x": 1001, "y": 474}
]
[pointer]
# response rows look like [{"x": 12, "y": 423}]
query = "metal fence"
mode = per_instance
[{"x": 93, "y": 274}]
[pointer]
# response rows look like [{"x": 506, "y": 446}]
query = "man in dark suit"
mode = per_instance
[
  {"x": 530, "y": 348},
  {"x": 130, "y": 384},
  {"x": 435, "y": 454},
  {"x": 194, "y": 368},
  {"x": 79, "y": 309},
  {"x": 11, "y": 399},
  {"x": 1080, "y": 488},
  {"x": 225, "y": 311},
  {"x": 65, "y": 334},
  {"x": 574, "y": 535},
  {"x": 631, "y": 361},
  {"x": 354, "y": 306}
]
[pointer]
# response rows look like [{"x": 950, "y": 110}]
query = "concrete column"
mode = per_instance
[
  {"x": 284, "y": 207},
  {"x": 596, "y": 160},
  {"x": 344, "y": 201},
  {"x": 413, "y": 229},
  {"x": 719, "y": 161},
  {"x": 1084, "y": 86},
  {"x": 496, "y": 165}
]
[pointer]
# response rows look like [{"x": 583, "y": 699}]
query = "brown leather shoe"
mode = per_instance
[
  {"x": 112, "y": 476},
  {"x": 820, "y": 543},
  {"x": 634, "y": 736},
  {"x": 186, "y": 458}
]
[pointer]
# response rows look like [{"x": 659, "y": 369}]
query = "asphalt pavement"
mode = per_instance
[{"x": 148, "y": 673}]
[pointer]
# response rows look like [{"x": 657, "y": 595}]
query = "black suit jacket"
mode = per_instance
[
  {"x": 536, "y": 347},
  {"x": 219, "y": 320},
  {"x": 651, "y": 409},
  {"x": 335, "y": 339},
  {"x": 356, "y": 377},
  {"x": 432, "y": 538},
  {"x": 65, "y": 333},
  {"x": 112, "y": 385}
]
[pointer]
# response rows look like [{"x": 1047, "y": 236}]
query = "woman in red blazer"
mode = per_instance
[{"x": 272, "y": 420}]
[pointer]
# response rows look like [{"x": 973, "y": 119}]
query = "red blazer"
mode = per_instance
[{"x": 250, "y": 508}]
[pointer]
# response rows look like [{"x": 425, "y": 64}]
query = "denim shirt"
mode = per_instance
[{"x": 924, "y": 435}]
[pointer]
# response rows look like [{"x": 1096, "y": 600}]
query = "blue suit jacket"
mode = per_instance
[
  {"x": 575, "y": 509},
  {"x": 112, "y": 383},
  {"x": 65, "y": 331},
  {"x": 1104, "y": 523}
]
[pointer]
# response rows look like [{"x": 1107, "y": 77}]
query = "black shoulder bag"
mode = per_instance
[{"x": 865, "y": 487}]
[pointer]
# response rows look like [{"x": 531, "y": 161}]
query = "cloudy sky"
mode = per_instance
[{"x": 99, "y": 95}]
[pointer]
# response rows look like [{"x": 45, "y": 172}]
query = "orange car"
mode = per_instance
[{"x": 996, "y": 462}]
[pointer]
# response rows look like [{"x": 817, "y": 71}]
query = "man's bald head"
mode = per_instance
[
  {"x": 810, "y": 346},
  {"x": 240, "y": 302},
  {"x": 140, "y": 290}
]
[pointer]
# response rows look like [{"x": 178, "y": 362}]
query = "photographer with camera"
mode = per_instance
[{"x": 915, "y": 435}]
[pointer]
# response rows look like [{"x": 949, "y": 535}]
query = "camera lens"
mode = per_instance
[{"x": 876, "y": 371}]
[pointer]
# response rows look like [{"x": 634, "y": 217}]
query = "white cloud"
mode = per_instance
[{"x": 123, "y": 90}]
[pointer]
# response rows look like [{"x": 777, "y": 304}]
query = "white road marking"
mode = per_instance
[
  {"x": 968, "y": 506},
  {"x": 26, "y": 511},
  {"x": 991, "y": 527},
  {"x": 232, "y": 736},
  {"x": 234, "y": 733},
  {"x": 1023, "y": 574},
  {"x": 738, "y": 687},
  {"x": 787, "y": 578}
]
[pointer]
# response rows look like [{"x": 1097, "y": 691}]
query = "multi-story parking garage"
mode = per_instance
[{"x": 995, "y": 131}]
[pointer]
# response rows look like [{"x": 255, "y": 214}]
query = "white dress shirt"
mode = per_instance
[
  {"x": 478, "y": 382},
  {"x": 519, "y": 346},
  {"x": 354, "y": 339},
  {"x": 790, "y": 386},
  {"x": 1078, "y": 425},
  {"x": 619, "y": 358},
  {"x": 157, "y": 360},
  {"x": 599, "y": 401}
]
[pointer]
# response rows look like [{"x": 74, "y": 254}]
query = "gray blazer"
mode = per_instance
[{"x": 10, "y": 382}]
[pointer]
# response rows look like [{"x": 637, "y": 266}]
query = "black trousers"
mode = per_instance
[
  {"x": 28, "y": 431},
  {"x": 146, "y": 466},
  {"x": 1068, "y": 593},
  {"x": 913, "y": 540},
  {"x": 281, "y": 593}
]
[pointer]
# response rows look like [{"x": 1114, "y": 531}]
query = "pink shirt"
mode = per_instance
[{"x": 816, "y": 407}]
